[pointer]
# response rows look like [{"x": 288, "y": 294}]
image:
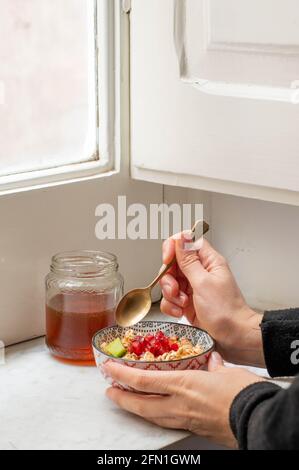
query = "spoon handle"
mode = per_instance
[
  {"x": 166, "y": 267},
  {"x": 162, "y": 272}
]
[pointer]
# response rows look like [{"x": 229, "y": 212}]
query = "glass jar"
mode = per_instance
[{"x": 82, "y": 291}]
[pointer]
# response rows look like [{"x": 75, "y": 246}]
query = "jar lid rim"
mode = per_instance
[{"x": 84, "y": 263}]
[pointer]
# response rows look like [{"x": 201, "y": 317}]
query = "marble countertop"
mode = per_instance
[{"x": 46, "y": 404}]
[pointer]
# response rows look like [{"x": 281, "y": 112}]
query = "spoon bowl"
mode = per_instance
[{"x": 133, "y": 307}]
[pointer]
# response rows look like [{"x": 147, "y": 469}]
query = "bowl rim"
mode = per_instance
[{"x": 154, "y": 362}]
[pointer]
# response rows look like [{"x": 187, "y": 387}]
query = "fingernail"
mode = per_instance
[
  {"x": 216, "y": 358},
  {"x": 213, "y": 360},
  {"x": 104, "y": 373},
  {"x": 188, "y": 235}
]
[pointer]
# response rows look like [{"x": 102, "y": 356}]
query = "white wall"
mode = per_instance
[
  {"x": 34, "y": 225},
  {"x": 260, "y": 241}
]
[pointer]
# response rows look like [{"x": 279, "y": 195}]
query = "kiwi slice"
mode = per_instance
[{"x": 116, "y": 348}]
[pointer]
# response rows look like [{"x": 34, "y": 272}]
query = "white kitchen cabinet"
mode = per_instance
[{"x": 214, "y": 95}]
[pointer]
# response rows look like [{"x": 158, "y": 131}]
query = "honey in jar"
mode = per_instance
[{"x": 82, "y": 290}]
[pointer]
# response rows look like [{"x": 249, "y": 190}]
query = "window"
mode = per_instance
[{"x": 52, "y": 88}]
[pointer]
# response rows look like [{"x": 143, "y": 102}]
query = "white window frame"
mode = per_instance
[{"x": 105, "y": 160}]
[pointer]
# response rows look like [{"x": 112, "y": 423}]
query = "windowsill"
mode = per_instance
[
  {"x": 46, "y": 404},
  {"x": 55, "y": 177}
]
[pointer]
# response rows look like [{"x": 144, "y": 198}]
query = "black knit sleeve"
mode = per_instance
[
  {"x": 265, "y": 417},
  {"x": 280, "y": 331}
]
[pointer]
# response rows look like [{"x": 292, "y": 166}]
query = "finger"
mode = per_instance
[
  {"x": 144, "y": 381},
  {"x": 168, "y": 247},
  {"x": 181, "y": 300},
  {"x": 168, "y": 308},
  {"x": 170, "y": 285},
  {"x": 215, "y": 362},
  {"x": 168, "y": 250},
  {"x": 146, "y": 406},
  {"x": 189, "y": 262},
  {"x": 209, "y": 257}
]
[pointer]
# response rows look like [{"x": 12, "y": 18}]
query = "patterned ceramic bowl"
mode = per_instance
[{"x": 195, "y": 335}]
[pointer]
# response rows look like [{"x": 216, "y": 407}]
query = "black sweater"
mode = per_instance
[{"x": 264, "y": 416}]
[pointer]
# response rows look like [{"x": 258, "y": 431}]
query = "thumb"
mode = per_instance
[
  {"x": 188, "y": 261},
  {"x": 215, "y": 362}
]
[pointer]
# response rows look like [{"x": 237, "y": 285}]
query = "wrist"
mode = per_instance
[{"x": 246, "y": 345}]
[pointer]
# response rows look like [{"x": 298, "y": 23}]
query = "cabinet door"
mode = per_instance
[{"x": 214, "y": 95}]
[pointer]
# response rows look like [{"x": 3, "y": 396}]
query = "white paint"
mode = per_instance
[
  {"x": 126, "y": 5},
  {"x": 109, "y": 76},
  {"x": 217, "y": 185},
  {"x": 37, "y": 224},
  {"x": 240, "y": 42},
  {"x": 288, "y": 95},
  {"x": 217, "y": 143},
  {"x": 260, "y": 22}
]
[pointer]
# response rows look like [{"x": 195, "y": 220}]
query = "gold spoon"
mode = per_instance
[{"x": 136, "y": 304}]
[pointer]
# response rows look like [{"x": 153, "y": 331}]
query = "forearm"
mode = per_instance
[
  {"x": 270, "y": 340},
  {"x": 245, "y": 345}
]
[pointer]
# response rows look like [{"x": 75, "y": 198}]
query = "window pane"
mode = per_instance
[{"x": 47, "y": 73}]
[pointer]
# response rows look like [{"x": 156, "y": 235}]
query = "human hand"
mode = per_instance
[
  {"x": 197, "y": 401},
  {"x": 202, "y": 287}
]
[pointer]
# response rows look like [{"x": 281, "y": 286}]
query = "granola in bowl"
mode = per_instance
[
  {"x": 182, "y": 346},
  {"x": 151, "y": 347}
]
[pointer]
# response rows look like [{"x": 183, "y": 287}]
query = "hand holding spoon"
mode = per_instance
[{"x": 136, "y": 304}]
